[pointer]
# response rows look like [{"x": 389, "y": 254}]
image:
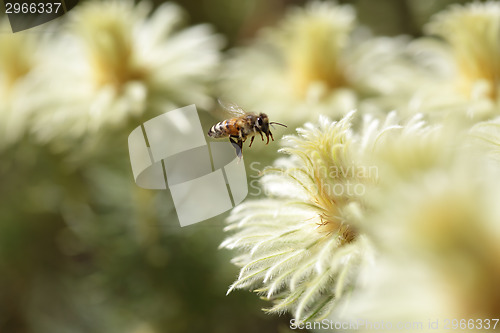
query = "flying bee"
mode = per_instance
[{"x": 243, "y": 125}]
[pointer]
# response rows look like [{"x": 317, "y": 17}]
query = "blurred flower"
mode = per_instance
[
  {"x": 433, "y": 227},
  {"x": 311, "y": 41},
  {"x": 301, "y": 246},
  {"x": 315, "y": 62},
  {"x": 467, "y": 62},
  {"x": 437, "y": 243},
  {"x": 117, "y": 60},
  {"x": 473, "y": 32},
  {"x": 18, "y": 58}
]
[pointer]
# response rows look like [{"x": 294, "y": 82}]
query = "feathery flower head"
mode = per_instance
[
  {"x": 302, "y": 246},
  {"x": 404, "y": 152}
]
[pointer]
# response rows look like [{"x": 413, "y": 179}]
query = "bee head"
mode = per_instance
[
  {"x": 263, "y": 126},
  {"x": 263, "y": 123}
]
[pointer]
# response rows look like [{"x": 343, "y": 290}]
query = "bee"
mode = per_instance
[{"x": 243, "y": 125}]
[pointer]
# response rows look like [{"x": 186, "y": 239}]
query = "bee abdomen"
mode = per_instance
[{"x": 218, "y": 130}]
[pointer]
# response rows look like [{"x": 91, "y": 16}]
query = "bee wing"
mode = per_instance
[{"x": 232, "y": 108}]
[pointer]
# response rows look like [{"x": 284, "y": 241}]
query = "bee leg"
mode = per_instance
[
  {"x": 271, "y": 134},
  {"x": 251, "y": 141},
  {"x": 238, "y": 146},
  {"x": 261, "y": 136}
]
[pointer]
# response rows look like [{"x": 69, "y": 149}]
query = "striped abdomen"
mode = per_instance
[{"x": 225, "y": 128}]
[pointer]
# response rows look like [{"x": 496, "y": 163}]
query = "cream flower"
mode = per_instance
[
  {"x": 311, "y": 42},
  {"x": 315, "y": 62},
  {"x": 18, "y": 60},
  {"x": 117, "y": 60},
  {"x": 437, "y": 243},
  {"x": 468, "y": 62},
  {"x": 301, "y": 247},
  {"x": 432, "y": 221}
]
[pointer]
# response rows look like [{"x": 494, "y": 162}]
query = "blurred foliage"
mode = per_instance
[
  {"x": 82, "y": 249},
  {"x": 241, "y": 20}
]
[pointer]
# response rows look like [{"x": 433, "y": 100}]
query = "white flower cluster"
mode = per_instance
[
  {"x": 420, "y": 238},
  {"x": 375, "y": 214}
]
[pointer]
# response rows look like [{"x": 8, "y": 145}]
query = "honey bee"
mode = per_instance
[{"x": 243, "y": 125}]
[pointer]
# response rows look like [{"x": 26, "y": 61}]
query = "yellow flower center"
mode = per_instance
[
  {"x": 311, "y": 42},
  {"x": 108, "y": 37},
  {"x": 313, "y": 57},
  {"x": 445, "y": 223},
  {"x": 15, "y": 57}
]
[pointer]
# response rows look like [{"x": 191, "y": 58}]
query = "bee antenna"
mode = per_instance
[{"x": 277, "y": 124}]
